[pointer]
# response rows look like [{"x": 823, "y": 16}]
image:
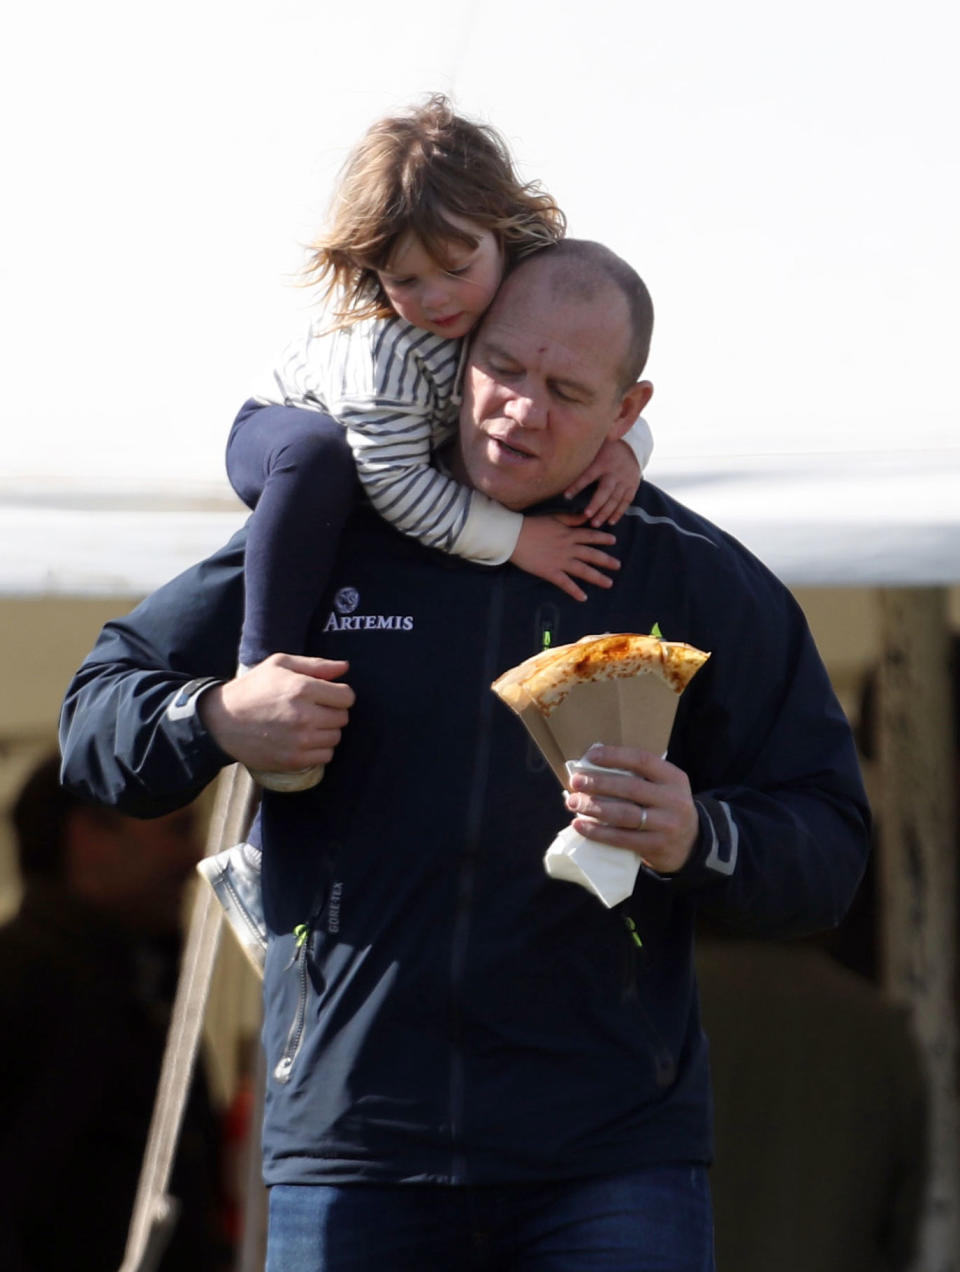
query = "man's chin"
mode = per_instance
[
  {"x": 514, "y": 485},
  {"x": 509, "y": 490}
]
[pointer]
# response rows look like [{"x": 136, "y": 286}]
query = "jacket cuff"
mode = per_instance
[
  {"x": 715, "y": 853},
  {"x": 183, "y": 704},
  {"x": 182, "y": 721}
]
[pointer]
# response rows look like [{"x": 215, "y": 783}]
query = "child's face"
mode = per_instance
[{"x": 449, "y": 302}]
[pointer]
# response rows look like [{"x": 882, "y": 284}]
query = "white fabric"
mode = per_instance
[
  {"x": 609, "y": 873},
  {"x": 640, "y": 440}
]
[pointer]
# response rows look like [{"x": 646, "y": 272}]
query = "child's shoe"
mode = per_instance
[
  {"x": 297, "y": 780},
  {"x": 234, "y": 875}
]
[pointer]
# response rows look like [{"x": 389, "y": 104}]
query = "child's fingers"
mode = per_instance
[
  {"x": 587, "y": 565},
  {"x": 589, "y": 574},
  {"x": 584, "y": 534},
  {"x": 610, "y": 509},
  {"x": 619, "y": 507},
  {"x": 608, "y": 492},
  {"x": 593, "y": 557},
  {"x": 566, "y": 584},
  {"x": 583, "y": 481}
]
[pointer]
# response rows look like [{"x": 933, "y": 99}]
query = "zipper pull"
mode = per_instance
[
  {"x": 301, "y": 934},
  {"x": 547, "y": 621}
]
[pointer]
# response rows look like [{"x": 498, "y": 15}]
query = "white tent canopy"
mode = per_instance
[{"x": 848, "y": 519}]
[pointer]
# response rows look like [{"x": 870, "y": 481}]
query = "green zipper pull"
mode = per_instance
[{"x": 632, "y": 929}]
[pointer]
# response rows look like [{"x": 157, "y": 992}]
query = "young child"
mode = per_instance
[{"x": 428, "y": 216}]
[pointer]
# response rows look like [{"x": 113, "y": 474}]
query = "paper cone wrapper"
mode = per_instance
[{"x": 634, "y": 710}]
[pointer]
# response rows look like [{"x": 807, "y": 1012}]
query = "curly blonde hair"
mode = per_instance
[{"x": 409, "y": 174}]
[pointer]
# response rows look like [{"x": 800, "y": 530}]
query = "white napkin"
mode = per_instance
[{"x": 609, "y": 873}]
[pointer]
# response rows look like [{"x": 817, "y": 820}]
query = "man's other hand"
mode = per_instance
[
  {"x": 651, "y": 811},
  {"x": 287, "y": 713}
]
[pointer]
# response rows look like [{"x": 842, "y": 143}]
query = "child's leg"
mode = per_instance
[{"x": 295, "y": 469}]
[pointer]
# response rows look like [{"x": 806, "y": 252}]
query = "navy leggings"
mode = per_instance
[{"x": 293, "y": 467}]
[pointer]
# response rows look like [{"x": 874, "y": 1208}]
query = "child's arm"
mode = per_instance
[
  {"x": 387, "y": 404},
  {"x": 618, "y": 471}
]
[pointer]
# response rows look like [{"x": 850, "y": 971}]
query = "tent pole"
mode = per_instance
[
  {"x": 154, "y": 1210},
  {"x": 918, "y": 877}
]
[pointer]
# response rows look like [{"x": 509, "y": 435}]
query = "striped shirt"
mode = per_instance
[{"x": 397, "y": 392}]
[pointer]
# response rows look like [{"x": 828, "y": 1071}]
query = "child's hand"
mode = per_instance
[
  {"x": 617, "y": 474},
  {"x": 562, "y": 548}
]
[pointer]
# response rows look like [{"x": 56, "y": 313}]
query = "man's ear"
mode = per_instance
[{"x": 633, "y": 402}]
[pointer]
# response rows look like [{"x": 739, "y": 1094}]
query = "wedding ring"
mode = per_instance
[{"x": 643, "y": 818}]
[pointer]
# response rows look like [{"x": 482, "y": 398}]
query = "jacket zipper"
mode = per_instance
[
  {"x": 635, "y": 955},
  {"x": 467, "y": 878},
  {"x": 294, "y": 1041}
]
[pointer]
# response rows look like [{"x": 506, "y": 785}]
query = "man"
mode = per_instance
[
  {"x": 87, "y": 974},
  {"x": 469, "y": 1064}
]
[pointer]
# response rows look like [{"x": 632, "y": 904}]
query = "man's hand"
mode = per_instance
[
  {"x": 284, "y": 715},
  {"x": 560, "y": 549},
  {"x": 651, "y": 812}
]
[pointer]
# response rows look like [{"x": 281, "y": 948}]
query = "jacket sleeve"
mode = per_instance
[
  {"x": 784, "y": 821},
  {"x": 129, "y": 731}
]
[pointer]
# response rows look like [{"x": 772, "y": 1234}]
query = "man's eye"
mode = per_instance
[
  {"x": 565, "y": 395},
  {"x": 460, "y": 271},
  {"x": 399, "y": 282}
]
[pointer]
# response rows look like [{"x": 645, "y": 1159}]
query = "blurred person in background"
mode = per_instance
[
  {"x": 820, "y": 1089},
  {"x": 88, "y": 970},
  {"x": 820, "y": 1111}
]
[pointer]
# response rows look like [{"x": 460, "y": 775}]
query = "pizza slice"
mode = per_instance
[{"x": 549, "y": 679}]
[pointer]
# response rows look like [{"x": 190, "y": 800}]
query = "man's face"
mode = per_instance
[{"x": 541, "y": 392}]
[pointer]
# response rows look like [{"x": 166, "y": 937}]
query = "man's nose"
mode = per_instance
[{"x": 527, "y": 411}]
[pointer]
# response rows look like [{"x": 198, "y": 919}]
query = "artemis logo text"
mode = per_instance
[{"x": 344, "y": 618}]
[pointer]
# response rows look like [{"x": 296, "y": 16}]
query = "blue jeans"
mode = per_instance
[{"x": 655, "y": 1220}]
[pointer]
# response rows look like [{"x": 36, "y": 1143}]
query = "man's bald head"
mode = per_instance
[
  {"x": 552, "y": 373},
  {"x": 578, "y": 271}
]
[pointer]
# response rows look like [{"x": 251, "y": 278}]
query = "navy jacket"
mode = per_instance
[{"x": 445, "y": 1011}]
